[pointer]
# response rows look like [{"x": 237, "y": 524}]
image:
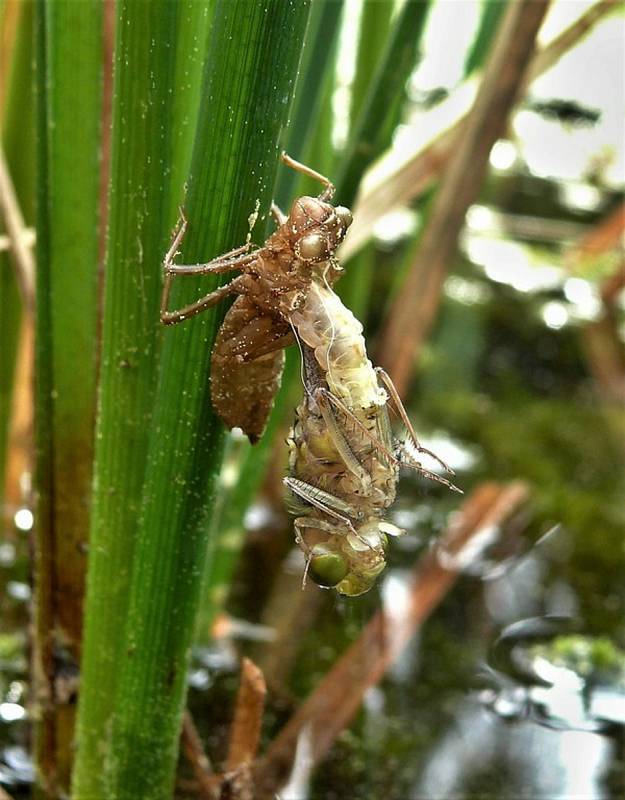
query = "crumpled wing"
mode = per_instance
[{"x": 247, "y": 364}]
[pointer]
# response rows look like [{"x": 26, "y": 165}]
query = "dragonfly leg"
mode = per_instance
[
  {"x": 321, "y": 397},
  {"x": 324, "y": 502},
  {"x": 328, "y": 190},
  {"x": 338, "y": 404},
  {"x": 278, "y": 214},
  {"x": 399, "y": 406},
  {"x": 408, "y": 461},
  {"x": 238, "y": 258},
  {"x": 209, "y": 300},
  {"x": 400, "y": 462}
]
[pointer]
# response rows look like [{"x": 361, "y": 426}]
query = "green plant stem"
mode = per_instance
[
  {"x": 309, "y": 139},
  {"x": 382, "y": 106},
  {"x": 69, "y": 52},
  {"x": 141, "y": 200},
  {"x": 309, "y": 103},
  {"x": 380, "y": 111},
  {"x": 194, "y": 19},
  {"x": 373, "y": 39},
  {"x": 254, "y": 51},
  {"x": 492, "y": 11}
]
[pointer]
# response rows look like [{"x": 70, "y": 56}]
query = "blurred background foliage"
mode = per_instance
[{"x": 516, "y": 684}]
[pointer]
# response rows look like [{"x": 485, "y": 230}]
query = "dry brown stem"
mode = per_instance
[
  {"x": 21, "y": 253},
  {"x": 20, "y": 433},
  {"x": 606, "y": 235},
  {"x": 237, "y": 781},
  {"x": 9, "y": 23},
  {"x": 613, "y": 285},
  {"x": 335, "y": 701},
  {"x": 415, "y": 307},
  {"x": 248, "y": 716},
  {"x": 601, "y": 342},
  {"x": 606, "y": 357},
  {"x": 194, "y": 752}
]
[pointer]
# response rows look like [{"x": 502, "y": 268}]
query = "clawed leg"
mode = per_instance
[
  {"x": 278, "y": 215},
  {"x": 328, "y": 504},
  {"x": 238, "y": 258},
  {"x": 338, "y": 404},
  {"x": 328, "y": 191},
  {"x": 407, "y": 462},
  {"x": 323, "y": 399},
  {"x": 318, "y": 524},
  {"x": 399, "y": 406},
  {"x": 209, "y": 300},
  {"x": 269, "y": 347}
]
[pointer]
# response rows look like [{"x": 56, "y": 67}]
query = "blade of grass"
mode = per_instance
[
  {"x": 254, "y": 51},
  {"x": 193, "y": 27},
  {"x": 317, "y": 61},
  {"x": 374, "y": 27},
  {"x": 414, "y": 309},
  {"x": 492, "y": 11},
  {"x": 309, "y": 139},
  {"x": 69, "y": 106},
  {"x": 372, "y": 39},
  {"x": 319, "y": 150},
  {"x": 382, "y": 106},
  {"x": 155, "y": 49},
  {"x": 380, "y": 111}
]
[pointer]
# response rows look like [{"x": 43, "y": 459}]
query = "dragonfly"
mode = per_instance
[{"x": 345, "y": 460}]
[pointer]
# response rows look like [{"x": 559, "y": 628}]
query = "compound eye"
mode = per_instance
[
  {"x": 327, "y": 568},
  {"x": 345, "y": 215},
  {"x": 313, "y": 246}
]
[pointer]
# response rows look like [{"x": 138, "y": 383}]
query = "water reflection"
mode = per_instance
[
  {"x": 541, "y": 670},
  {"x": 526, "y": 762}
]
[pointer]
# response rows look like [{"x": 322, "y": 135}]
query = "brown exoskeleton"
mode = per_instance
[{"x": 248, "y": 355}]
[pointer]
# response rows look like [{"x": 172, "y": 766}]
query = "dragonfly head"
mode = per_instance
[
  {"x": 317, "y": 228},
  {"x": 350, "y": 564}
]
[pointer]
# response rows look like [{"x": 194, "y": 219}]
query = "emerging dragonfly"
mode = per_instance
[
  {"x": 248, "y": 355},
  {"x": 344, "y": 460}
]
